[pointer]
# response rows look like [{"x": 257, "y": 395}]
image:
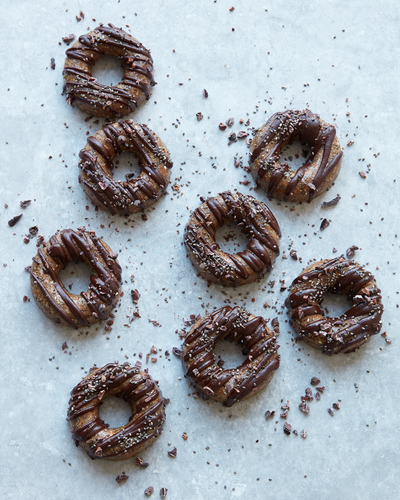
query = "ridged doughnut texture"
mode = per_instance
[
  {"x": 136, "y": 388},
  {"x": 315, "y": 176},
  {"x": 84, "y": 92},
  {"x": 345, "y": 333},
  {"x": 237, "y": 384},
  {"x": 133, "y": 194},
  {"x": 51, "y": 295},
  {"x": 257, "y": 221}
]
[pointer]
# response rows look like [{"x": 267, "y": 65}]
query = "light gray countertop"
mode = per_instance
[{"x": 339, "y": 59}]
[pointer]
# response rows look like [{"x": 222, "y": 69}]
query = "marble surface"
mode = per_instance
[{"x": 338, "y": 58}]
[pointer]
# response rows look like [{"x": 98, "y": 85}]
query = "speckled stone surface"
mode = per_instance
[{"x": 339, "y": 59}]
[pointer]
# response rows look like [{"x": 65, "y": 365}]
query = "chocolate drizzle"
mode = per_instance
[
  {"x": 54, "y": 299},
  {"x": 102, "y": 100},
  {"x": 136, "y": 388},
  {"x": 131, "y": 195},
  {"x": 256, "y": 340},
  {"x": 257, "y": 221},
  {"x": 278, "y": 179},
  {"x": 349, "y": 331}
]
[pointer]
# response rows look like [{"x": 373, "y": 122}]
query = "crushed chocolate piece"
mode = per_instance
[
  {"x": 303, "y": 434},
  {"x": 336, "y": 406},
  {"x": 303, "y": 406},
  {"x": 324, "y": 224},
  {"x": 135, "y": 296},
  {"x": 144, "y": 217},
  {"x": 317, "y": 396},
  {"x": 163, "y": 492},
  {"x": 232, "y": 137},
  {"x": 242, "y": 134},
  {"x": 331, "y": 203},
  {"x": 199, "y": 116},
  {"x": 14, "y": 220},
  {"x": 287, "y": 428},
  {"x": 177, "y": 351},
  {"x": 350, "y": 143},
  {"x": 222, "y": 126},
  {"x": 230, "y": 122},
  {"x": 172, "y": 453},
  {"x": 350, "y": 252},
  {"x": 331, "y": 412},
  {"x": 363, "y": 175},
  {"x": 205, "y": 93},
  {"x": 24, "y": 204},
  {"x": 315, "y": 381},
  {"x": 33, "y": 230},
  {"x": 68, "y": 39},
  {"x": 284, "y": 414},
  {"x": 52, "y": 63},
  {"x": 293, "y": 254},
  {"x": 269, "y": 414},
  {"x": 121, "y": 478},
  {"x": 149, "y": 491},
  {"x": 184, "y": 435},
  {"x": 321, "y": 389}
]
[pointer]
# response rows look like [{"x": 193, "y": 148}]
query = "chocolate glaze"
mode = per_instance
[
  {"x": 250, "y": 332},
  {"x": 116, "y": 100},
  {"x": 352, "y": 329},
  {"x": 103, "y": 293},
  {"x": 282, "y": 128},
  {"x": 257, "y": 221},
  {"x": 133, "y": 194},
  {"x": 136, "y": 388}
]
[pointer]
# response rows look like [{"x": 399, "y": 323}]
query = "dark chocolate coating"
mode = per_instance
[
  {"x": 347, "y": 332},
  {"x": 232, "y": 385},
  {"x": 315, "y": 176},
  {"x": 257, "y": 221},
  {"x": 136, "y": 388},
  {"x": 51, "y": 295},
  {"x": 87, "y": 94},
  {"x": 133, "y": 194}
]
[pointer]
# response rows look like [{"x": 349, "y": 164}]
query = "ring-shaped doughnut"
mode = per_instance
[
  {"x": 348, "y": 332},
  {"x": 237, "y": 384},
  {"x": 318, "y": 172},
  {"x": 87, "y": 94},
  {"x": 136, "y": 388},
  {"x": 51, "y": 295},
  {"x": 258, "y": 223},
  {"x": 133, "y": 194}
]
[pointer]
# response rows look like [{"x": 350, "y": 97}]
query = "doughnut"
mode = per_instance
[
  {"x": 133, "y": 194},
  {"x": 232, "y": 385},
  {"x": 51, "y": 295},
  {"x": 87, "y": 94},
  {"x": 137, "y": 388},
  {"x": 345, "y": 333},
  {"x": 315, "y": 176},
  {"x": 257, "y": 221}
]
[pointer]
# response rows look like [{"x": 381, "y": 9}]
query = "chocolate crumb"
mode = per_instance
[
  {"x": 25, "y": 203},
  {"x": 40, "y": 240},
  {"x": 144, "y": 217},
  {"x": 52, "y": 63},
  {"x": 331, "y": 203},
  {"x": 205, "y": 93},
  {"x": 317, "y": 396},
  {"x": 232, "y": 137},
  {"x": 68, "y": 39},
  {"x": 331, "y": 412},
  {"x": 149, "y": 491},
  {"x": 269, "y": 414},
  {"x": 303, "y": 406},
  {"x": 363, "y": 175},
  {"x": 321, "y": 389},
  {"x": 287, "y": 428},
  {"x": 336, "y": 406},
  {"x": 163, "y": 492},
  {"x": 14, "y": 220},
  {"x": 324, "y": 224},
  {"x": 350, "y": 143},
  {"x": 350, "y": 252},
  {"x": 135, "y": 296},
  {"x": 222, "y": 126},
  {"x": 315, "y": 381},
  {"x": 173, "y": 453},
  {"x": 177, "y": 351},
  {"x": 293, "y": 254},
  {"x": 33, "y": 230},
  {"x": 303, "y": 434},
  {"x": 242, "y": 134},
  {"x": 184, "y": 435},
  {"x": 230, "y": 122},
  {"x": 199, "y": 116},
  {"x": 121, "y": 478}
]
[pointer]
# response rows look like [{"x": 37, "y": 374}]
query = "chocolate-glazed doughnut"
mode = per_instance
[
  {"x": 136, "y": 388},
  {"x": 84, "y": 92},
  {"x": 133, "y": 194},
  {"x": 232, "y": 385},
  {"x": 257, "y": 221},
  {"x": 348, "y": 332},
  {"x": 51, "y": 295},
  {"x": 315, "y": 176}
]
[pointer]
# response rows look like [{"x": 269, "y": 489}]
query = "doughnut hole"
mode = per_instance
[
  {"x": 108, "y": 71},
  {"x": 76, "y": 277},
  {"x": 126, "y": 164},
  {"x": 295, "y": 154},
  {"x": 115, "y": 412},
  {"x": 230, "y": 353},
  {"x": 231, "y": 238},
  {"x": 335, "y": 305}
]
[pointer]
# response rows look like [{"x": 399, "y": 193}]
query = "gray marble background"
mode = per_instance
[{"x": 340, "y": 59}]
